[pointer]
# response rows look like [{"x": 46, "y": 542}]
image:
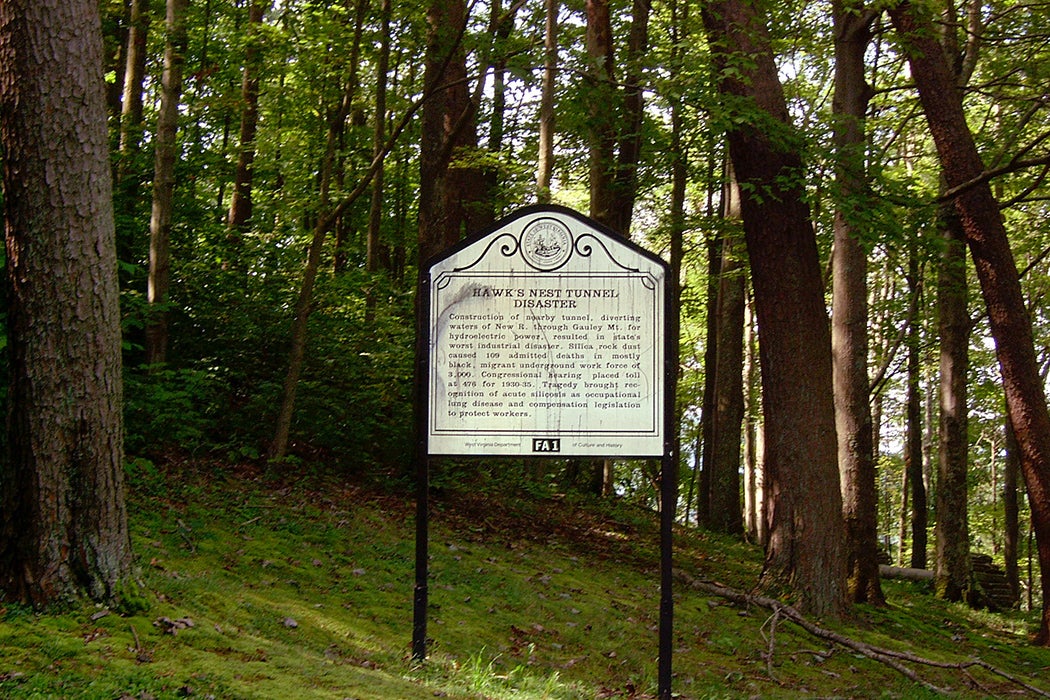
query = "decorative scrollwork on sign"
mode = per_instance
[
  {"x": 508, "y": 249},
  {"x": 584, "y": 249}
]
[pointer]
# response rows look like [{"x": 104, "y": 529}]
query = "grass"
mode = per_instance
[{"x": 303, "y": 589}]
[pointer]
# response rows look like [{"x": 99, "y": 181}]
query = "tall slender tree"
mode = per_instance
[
  {"x": 241, "y": 200},
  {"x": 545, "y": 164},
  {"x": 849, "y": 318},
  {"x": 952, "y": 566},
  {"x": 134, "y": 76},
  {"x": 913, "y": 442},
  {"x": 725, "y": 513},
  {"x": 165, "y": 151}
]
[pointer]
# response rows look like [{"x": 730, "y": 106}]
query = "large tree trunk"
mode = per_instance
[
  {"x": 241, "y": 201},
  {"x": 452, "y": 201},
  {"x": 849, "y": 317},
  {"x": 63, "y": 523},
  {"x": 951, "y": 531},
  {"x": 806, "y": 533},
  {"x": 164, "y": 183},
  {"x": 996, "y": 271}
]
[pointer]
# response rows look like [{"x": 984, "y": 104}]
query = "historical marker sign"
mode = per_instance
[{"x": 547, "y": 337}]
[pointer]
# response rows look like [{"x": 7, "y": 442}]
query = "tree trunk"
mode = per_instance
[
  {"x": 134, "y": 74},
  {"x": 545, "y": 165},
  {"x": 951, "y": 531},
  {"x": 374, "y": 251},
  {"x": 996, "y": 271},
  {"x": 754, "y": 486},
  {"x": 625, "y": 185},
  {"x": 806, "y": 533},
  {"x": 913, "y": 420},
  {"x": 850, "y": 311},
  {"x": 241, "y": 201},
  {"x": 600, "y": 79},
  {"x": 714, "y": 246},
  {"x": 451, "y": 200},
  {"x": 1011, "y": 527},
  {"x": 164, "y": 183},
  {"x": 63, "y": 523},
  {"x": 725, "y": 512}
]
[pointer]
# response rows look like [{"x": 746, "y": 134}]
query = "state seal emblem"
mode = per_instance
[{"x": 546, "y": 244}]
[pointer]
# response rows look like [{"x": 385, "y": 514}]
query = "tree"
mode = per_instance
[
  {"x": 241, "y": 201},
  {"x": 164, "y": 144},
  {"x": 849, "y": 318},
  {"x": 952, "y": 566},
  {"x": 451, "y": 200},
  {"x": 63, "y": 523},
  {"x": 996, "y": 271},
  {"x": 724, "y": 511},
  {"x": 545, "y": 159},
  {"x": 134, "y": 75},
  {"x": 913, "y": 452},
  {"x": 374, "y": 244},
  {"x": 805, "y": 548}
]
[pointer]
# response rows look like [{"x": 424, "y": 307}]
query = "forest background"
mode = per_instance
[{"x": 280, "y": 169}]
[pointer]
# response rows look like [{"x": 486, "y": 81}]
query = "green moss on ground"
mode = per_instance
[{"x": 272, "y": 589}]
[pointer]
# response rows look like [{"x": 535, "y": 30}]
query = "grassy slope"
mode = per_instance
[{"x": 304, "y": 591}]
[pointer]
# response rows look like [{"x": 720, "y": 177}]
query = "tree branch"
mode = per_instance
[{"x": 888, "y": 657}]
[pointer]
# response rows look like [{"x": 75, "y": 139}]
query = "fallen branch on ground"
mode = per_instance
[{"x": 887, "y": 657}]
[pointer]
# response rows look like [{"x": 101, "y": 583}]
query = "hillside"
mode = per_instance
[{"x": 301, "y": 588}]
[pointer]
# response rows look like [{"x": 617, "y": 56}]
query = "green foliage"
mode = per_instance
[{"x": 167, "y": 407}]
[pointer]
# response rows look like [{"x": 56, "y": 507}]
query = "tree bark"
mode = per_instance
[
  {"x": 725, "y": 512},
  {"x": 545, "y": 164},
  {"x": 806, "y": 533},
  {"x": 996, "y": 270},
  {"x": 241, "y": 200},
  {"x": 134, "y": 75},
  {"x": 913, "y": 454},
  {"x": 952, "y": 534},
  {"x": 1011, "y": 527},
  {"x": 63, "y": 523},
  {"x": 164, "y": 183},
  {"x": 625, "y": 184},
  {"x": 600, "y": 79},
  {"x": 451, "y": 200},
  {"x": 375, "y": 251},
  {"x": 849, "y": 327},
  {"x": 713, "y": 244}
]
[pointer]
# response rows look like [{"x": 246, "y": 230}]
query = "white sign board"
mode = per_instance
[{"x": 547, "y": 338}]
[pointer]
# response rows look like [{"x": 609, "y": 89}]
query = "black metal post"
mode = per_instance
[
  {"x": 422, "y": 463},
  {"x": 420, "y": 592},
  {"x": 668, "y": 487},
  {"x": 668, "y": 501}
]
